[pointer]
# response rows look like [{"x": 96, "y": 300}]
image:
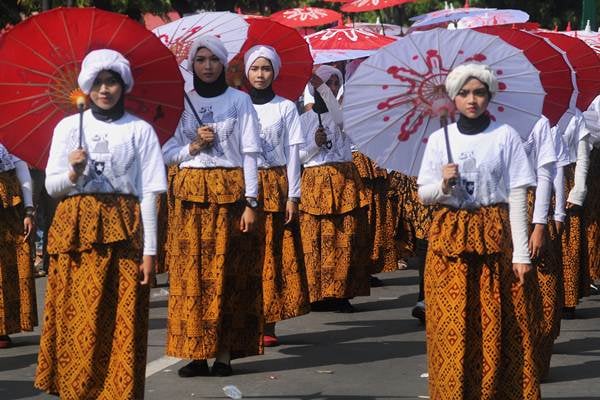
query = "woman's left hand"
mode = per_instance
[
  {"x": 146, "y": 269},
  {"x": 537, "y": 240},
  {"x": 248, "y": 220},
  {"x": 520, "y": 271},
  {"x": 28, "y": 227},
  {"x": 291, "y": 212}
]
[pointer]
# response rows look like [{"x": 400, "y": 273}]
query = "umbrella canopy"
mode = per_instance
[
  {"x": 357, "y": 6},
  {"x": 296, "y": 60},
  {"x": 446, "y": 16},
  {"x": 40, "y": 60},
  {"x": 494, "y": 17},
  {"x": 555, "y": 72},
  {"x": 336, "y": 44},
  {"x": 388, "y": 101},
  {"x": 179, "y": 35},
  {"x": 591, "y": 38},
  {"x": 586, "y": 63},
  {"x": 306, "y": 16},
  {"x": 390, "y": 29}
]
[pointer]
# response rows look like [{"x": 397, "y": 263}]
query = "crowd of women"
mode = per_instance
[{"x": 260, "y": 214}]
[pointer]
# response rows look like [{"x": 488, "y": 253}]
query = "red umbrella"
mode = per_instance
[
  {"x": 345, "y": 44},
  {"x": 296, "y": 61},
  {"x": 586, "y": 63},
  {"x": 40, "y": 59},
  {"x": 357, "y": 6},
  {"x": 555, "y": 73},
  {"x": 305, "y": 16}
]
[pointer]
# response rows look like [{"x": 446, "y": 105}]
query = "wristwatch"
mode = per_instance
[{"x": 252, "y": 203}]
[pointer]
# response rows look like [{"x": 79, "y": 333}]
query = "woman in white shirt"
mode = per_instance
[
  {"x": 333, "y": 218},
  {"x": 285, "y": 288},
  {"x": 215, "y": 296},
  {"x": 17, "y": 287},
  {"x": 483, "y": 308},
  {"x": 102, "y": 241}
]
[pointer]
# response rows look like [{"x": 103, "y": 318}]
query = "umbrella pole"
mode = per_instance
[
  {"x": 328, "y": 145},
  {"x": 381, "y": 22},
  {"x": 444, "y": 123},
  {"x": 80, "y": 106},
  {"x": 193, "y": 109}
]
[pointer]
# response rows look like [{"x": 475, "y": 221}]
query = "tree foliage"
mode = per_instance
[{"x": 547, "y": 13}]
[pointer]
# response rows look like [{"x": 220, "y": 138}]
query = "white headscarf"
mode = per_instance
[
  {"x": 325, "y": 72},
  {"x": 213, "y": 43},
  {"x": 104, "y": 60},
  {"x": 262, "y": 51},
  {"x": 457, "y": 78}
]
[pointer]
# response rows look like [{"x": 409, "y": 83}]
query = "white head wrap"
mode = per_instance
[
  {"x": 457, "y": 78},
  {"x": 325, "y": 72},
  {"x": 104, "y": 60},
  {"x": 213, "y": 43},
  {"x": 262, "y": 51}
]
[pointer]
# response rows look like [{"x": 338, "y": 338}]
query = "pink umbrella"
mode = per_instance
[
  {"x": 446, "y": 16},
  {"x": 495, "y": 17}
]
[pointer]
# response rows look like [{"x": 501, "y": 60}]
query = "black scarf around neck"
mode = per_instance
[
  {"x": 262, "y": 96},
  {"x": 214, "y": 89},
  {"x": 473, "y": 126},
  {"x": 111, "y": 115},
  {"x": 319, "y": 107}
]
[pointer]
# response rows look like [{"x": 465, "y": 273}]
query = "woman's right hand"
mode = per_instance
[
  {"x": 320, "y": 137},
  {"x": 205, "y": 137},
  {"x": 449, "y": 173},
  {"x": 78, "y": 161}
]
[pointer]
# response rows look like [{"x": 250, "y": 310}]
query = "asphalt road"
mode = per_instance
[{"x": 377, "y": 353}]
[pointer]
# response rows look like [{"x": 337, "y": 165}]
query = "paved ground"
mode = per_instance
[{"x": 377, "y": 353}]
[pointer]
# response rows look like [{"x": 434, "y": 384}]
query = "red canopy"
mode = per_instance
[
  {"x": 555, "y": 73},
  {"x": 306, "y": 16},
  {"x": 357, "y": 6}
]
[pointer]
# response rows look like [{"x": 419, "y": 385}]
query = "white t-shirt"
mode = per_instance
[
  {"x": 490, "y": 164},
  {"x": 539, "y": 146},
  {"x": 313, "y": 155},
  {"x": 574, "y": 132},
  {"x": 280, "y": 128},
  {"x": 7, "y": 160},
  {"x": 123, "y": 156},
  {"x": 235, "y": 123}
]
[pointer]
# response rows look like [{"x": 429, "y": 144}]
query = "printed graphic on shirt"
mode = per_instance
[
  {"x": 478, "y": 180},
  {"x": 271, "y": 138},
  {"x": 223, "y": 126},
  {"x": 6, "y": 161}
]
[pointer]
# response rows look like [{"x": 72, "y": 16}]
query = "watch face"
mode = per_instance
[{"x": 252, "y": 203}]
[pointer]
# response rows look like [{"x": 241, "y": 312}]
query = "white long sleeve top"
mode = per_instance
[
  {"x": 281, "y": 138},
  {"x": 493, "y": 169},
  {"x": 9, "y": 162},
  {"x": 124, "y": 157},
  {"x": 541, "y": 151},
  {"x": 237, "y": 143}
]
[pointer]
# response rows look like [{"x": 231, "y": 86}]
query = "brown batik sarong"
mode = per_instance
[
  {"x": 481, "y": 326},
  {"x": 576, "y": 278},
  {"x": 215, "y": 295},
  {"x": 591, "y": 215},
  {"x": 18, "y": 310},
  {"x": 285, "y": 286},
  {"x": 379, "y": 214},
  {"x": 333, "y": 230},
  {"x": 93, "y": 343}
]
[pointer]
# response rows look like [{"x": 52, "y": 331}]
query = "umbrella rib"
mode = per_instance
[
  {"x": 116, "y": 32},
  {"x": 34, "y": 52},
  {"x": 14, "y": 101},
  {"x": 141, "y": 43},
  {"x": 92, "y": 29},
  {"x": 155, "y": 60},
  {"x": 158, "y": 82},
  {"x": 64, "y": 21},
  {"x": 28, "y": 113},
  {"x": 50, "y": 115},
  {"x": 35, "y": 71},
  {"x": 45, "y": 151},
  {"x": 517, "y": 109}
]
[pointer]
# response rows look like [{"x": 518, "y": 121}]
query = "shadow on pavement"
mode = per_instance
[
  {"x": 10, "y": 363},
  {"x": 12, "y": 390},
  {"x": 565, "y": 373},
  {"x": 317, "y": 349},
  {"x": 578, "y": 346},
  {"x": 321, "y": 396}
]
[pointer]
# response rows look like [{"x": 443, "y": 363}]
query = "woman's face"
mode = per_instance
[
  {"x": 334, "y": 84},
  {"x": 106, "y": 90},
  {"x": 207, "y": 66},
  {"x": 261, "y": 73},
  {"x": 472, "y": 99}
]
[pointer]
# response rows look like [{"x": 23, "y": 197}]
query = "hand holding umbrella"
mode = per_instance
[
  {"x": 320, "y": 134},
  {"x": 443, "y": 107}
]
